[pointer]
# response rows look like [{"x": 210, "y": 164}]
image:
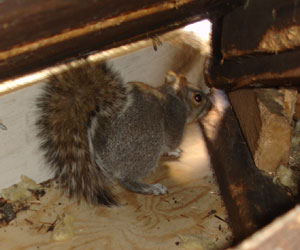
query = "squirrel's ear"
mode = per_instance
[
  {"x": 176, "y": 81},
  {"x": 171, "y": 78}
]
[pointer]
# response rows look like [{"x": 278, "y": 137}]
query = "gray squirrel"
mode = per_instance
[{"x": 95, "y": 129}]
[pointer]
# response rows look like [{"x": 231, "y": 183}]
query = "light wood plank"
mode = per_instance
[{"x": 179, "y": 220}]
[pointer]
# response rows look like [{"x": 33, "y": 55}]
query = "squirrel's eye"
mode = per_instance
[{"x": 198, "y": 98}]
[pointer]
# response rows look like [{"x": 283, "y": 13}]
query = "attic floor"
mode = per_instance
[{"x": 191, "y": 216}]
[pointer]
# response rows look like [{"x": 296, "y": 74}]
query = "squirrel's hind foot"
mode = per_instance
[
  {"x": 159, "y": 189},
  {"x": 176, "y": 153},
  {"x": 143, "y": 188}
]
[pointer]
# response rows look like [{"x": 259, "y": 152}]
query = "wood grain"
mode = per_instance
[
  {"x": 269, "y": 26},
  {"x": 264, "y": 50},
  {"x": 185, "y": 216},
  {"x": 251, "y": 198},
  {"x": 266, "y": 70},
  {"x": 283, "y": 233},
  {"x": 53, "y": 31}
]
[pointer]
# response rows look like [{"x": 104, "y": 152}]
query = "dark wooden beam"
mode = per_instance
[
  {"x": 268, "y": 26},
  {"x": 37, "y": 33},
  {"x": 257, "y": 45},
  {"x": 268, "y": 70},
  {"x": 251, "y": 198}
]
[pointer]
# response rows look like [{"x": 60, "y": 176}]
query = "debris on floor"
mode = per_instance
[
  {"x": 63, "y": 228},
  {"x": 14, "y": 199},
  {"x": 23, "y": 190},
  {"x": 190, "y": 216}
]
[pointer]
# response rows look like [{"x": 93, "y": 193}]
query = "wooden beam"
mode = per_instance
[
  {"x": 37, "y": 33},
  {"x": 283, "y": 233},
  {"x": 257, "y": 71},
  {"x": 257, "y": 45},
  {"x": 268, "y": 26},
  {"x": 245, "y": 105},
  {"x": 251, "y": 198},
  {"x": 265, "y": 117}
]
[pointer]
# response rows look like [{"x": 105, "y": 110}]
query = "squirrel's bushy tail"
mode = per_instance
[{"x": 71, "y": 107}]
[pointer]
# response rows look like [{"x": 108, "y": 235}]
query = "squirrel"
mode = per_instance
[{"x": 95, "y": 129}]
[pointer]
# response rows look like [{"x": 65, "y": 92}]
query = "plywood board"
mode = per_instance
[{"x": 190, "y": 216}]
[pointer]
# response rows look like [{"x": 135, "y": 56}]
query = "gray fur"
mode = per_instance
[{"x": 94, "y": 129}]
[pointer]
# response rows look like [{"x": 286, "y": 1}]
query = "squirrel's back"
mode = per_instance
[{"x": 69, "y": 106}]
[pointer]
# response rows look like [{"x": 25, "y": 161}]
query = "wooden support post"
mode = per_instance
[{"x": 251, "y": 198}]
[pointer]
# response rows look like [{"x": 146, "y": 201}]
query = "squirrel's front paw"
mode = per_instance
[
  {"x": 158, "y": 189},
  {"x": 176, "y": 153}
]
